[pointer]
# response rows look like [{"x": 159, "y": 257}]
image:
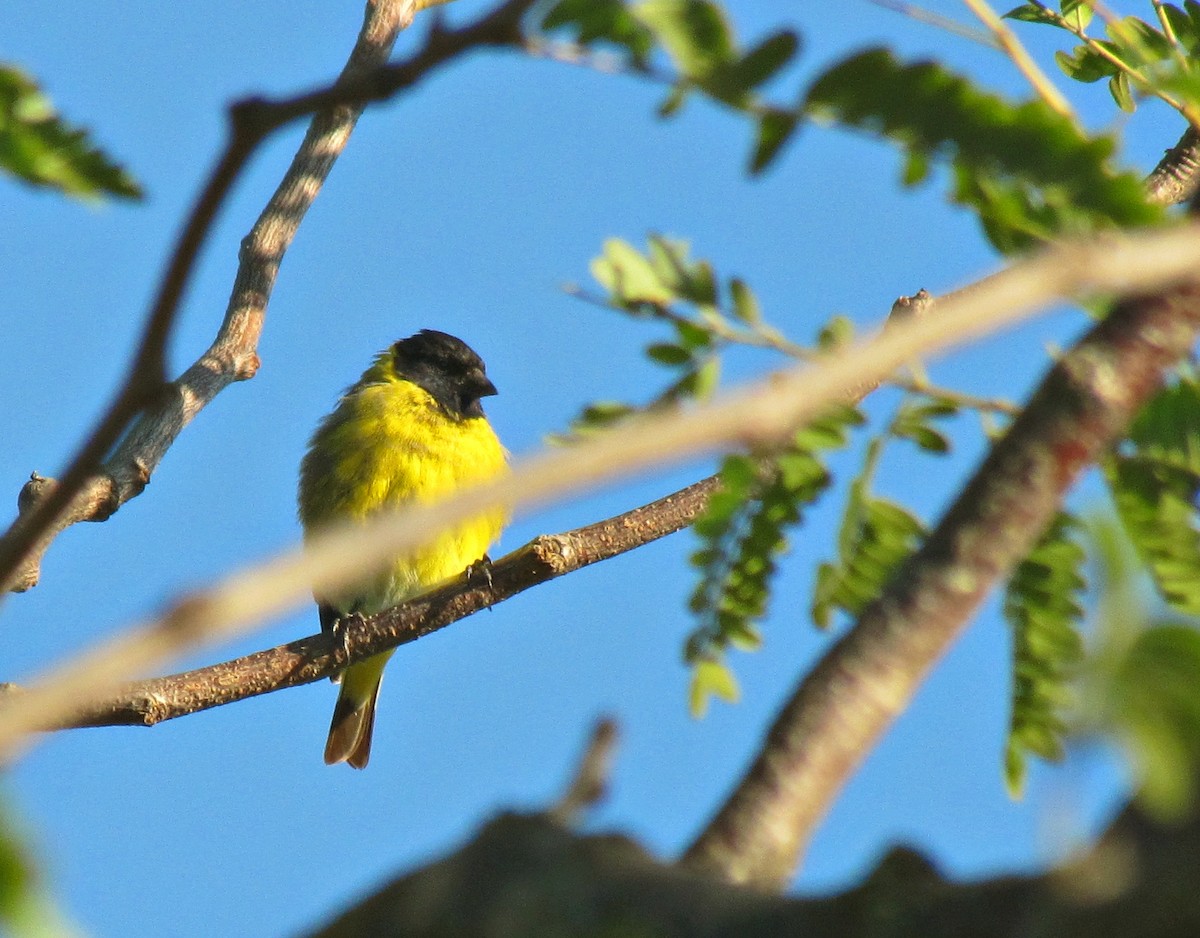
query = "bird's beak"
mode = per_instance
[{"x": 486, "y": 388}]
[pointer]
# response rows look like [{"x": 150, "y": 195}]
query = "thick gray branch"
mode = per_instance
[{"x": 841, "y": 708}]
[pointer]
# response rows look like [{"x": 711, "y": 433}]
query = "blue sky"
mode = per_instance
[{"x": 464, "y": 207}]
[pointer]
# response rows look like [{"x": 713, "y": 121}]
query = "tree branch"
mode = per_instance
[
  {"x": 1177, "y": 176},
  {"x": 761, "y": 414},
  {"x": 91, "y": 491},
  {"x": 868, "y": 677},
  {"x": 146, "y": 703}
]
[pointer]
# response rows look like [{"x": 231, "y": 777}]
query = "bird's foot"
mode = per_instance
[
  {"x": 341, "y": 634},
  {"x": 480, "y": 574}
]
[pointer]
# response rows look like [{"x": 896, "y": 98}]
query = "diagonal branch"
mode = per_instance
[
  {"x": 868, "y": 678},
  {"x": 146, "y": 703},
  {"x": 92, "y": 491},
  {"x": 761, "y": 831},
  {"x": 1176, "y": 177},
  {"x": 760, "y": 414}
]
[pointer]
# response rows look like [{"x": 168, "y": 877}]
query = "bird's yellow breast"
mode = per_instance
[{"x": 388, "y": 444}]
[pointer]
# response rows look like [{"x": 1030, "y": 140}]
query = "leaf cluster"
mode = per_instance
[
  {"x": 742, "y": 532},
  {"x": 37, "y": 146},
  {"x": 1043, "y": 606},
  {"x": 704, "y": 312},
  {"x": 1143, "y": 677},
  {"x": 1028, "y": 172},
  {"x": 1134, "y": 56},
  {"x": 697, "y": 40},
  {"x": 1154, "y": 478},
  {"x": 877, "y": 534}
]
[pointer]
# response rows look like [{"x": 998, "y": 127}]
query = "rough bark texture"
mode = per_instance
[{"x": 1177, "y": 175}]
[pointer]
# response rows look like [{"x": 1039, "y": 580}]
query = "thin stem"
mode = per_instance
[
  {"x": 961, "y": 398},
  {"x": 921, "y": 15},
  {"x": 1169, "y": 31},
  {"x": 1012, "y": 47},
  {"x": 1136, "y": 75}
]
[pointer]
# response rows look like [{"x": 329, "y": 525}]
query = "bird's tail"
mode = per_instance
[{"x": 354, "y": 716}]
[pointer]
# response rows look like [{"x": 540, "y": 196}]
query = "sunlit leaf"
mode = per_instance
[
  {"x": 710, "y": 678},
  {"x": 608, "y": 21}
]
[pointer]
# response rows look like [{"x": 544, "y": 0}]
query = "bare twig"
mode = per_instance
[
  {"x": 1012, "y": 47},
  {"x": 844, "y": 704},
  {"x": 89, "y": 491},
  {"x": 591, "y": 775},
  {"x": 759, "y": 415},
  {"x": 921, "y": 15}
]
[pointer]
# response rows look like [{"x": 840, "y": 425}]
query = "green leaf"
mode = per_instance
[
  {"x": 735, "y": 81},
  {"x": 745, "y": 303},
  {"x": 1077, "y": 13},
  {"x": 676, "y": 97},
  {"x": 1182, "y": 26},
  {"x": 765, "y": 60},
  {"x": 666, "y": 353},
  {"x": 691, "y": 336},
  {"x": 629, "y": 276},
  {"x": 1122, "y": 92},
  {"x": 1183, "y": 85},
  {"x": 1154, "y": 484},
  {"x": 1154, "y": 705},
  {"x": 695, "y": 33},
  {"x": 876, "y": 536},
  {"x": 700, "y": 285},
  {"x": 836, "y": 334},
  {"x": 669, "y": 259},
  {"x": 1034, "y": 162},
  {"x": 1140, "y": 41},
  {"x": 1086, "y": 65},
  {"x": 37, "y": 146},
  {"x": 1032, "y": 13},
  {"x": 1017, "y": 216},
  {"x": 1042, "y": 605},
  {"x": 913, "y": 421},
  {"x": 596, "y": 417},
  {"x": 916, "y": 169},
  {"x": 775, "y": 128},
  {"x": 744, "y": 530},
  {"x": 608, "y": 21},
  {"x": 710, "y": 678},
  {"x": 703, "y": 381}
]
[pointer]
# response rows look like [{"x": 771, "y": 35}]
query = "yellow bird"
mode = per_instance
[{"x": 411, "y": 429}]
